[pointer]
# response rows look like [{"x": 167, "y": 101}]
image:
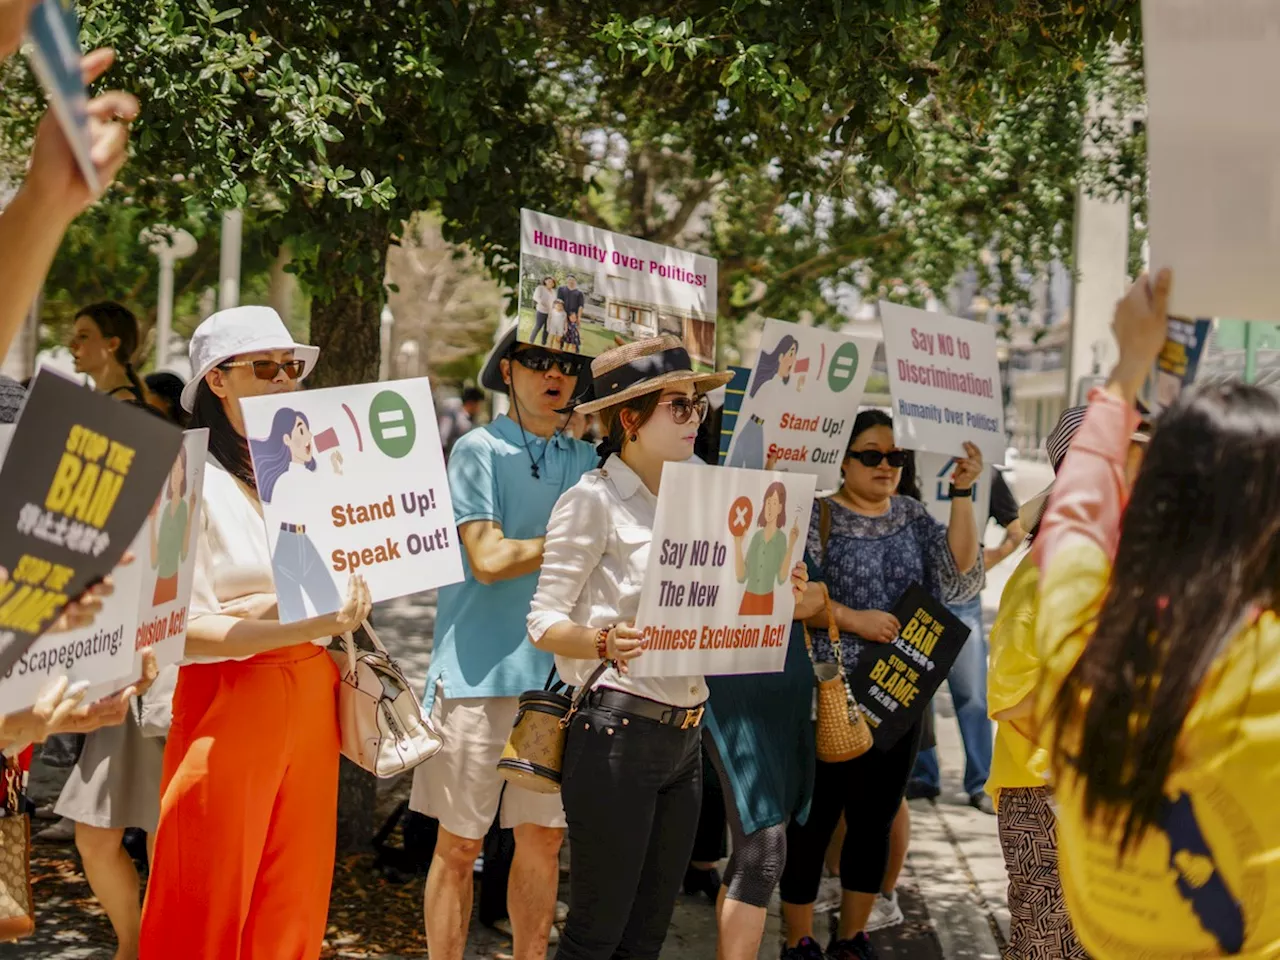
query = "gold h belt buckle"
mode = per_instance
[{"x": 692, "y": 717}]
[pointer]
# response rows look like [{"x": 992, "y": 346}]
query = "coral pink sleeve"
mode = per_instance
[{"x": 1089, "y": 492}]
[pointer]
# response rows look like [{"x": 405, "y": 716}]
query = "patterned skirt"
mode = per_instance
[{"x": 1039, "y": 927}]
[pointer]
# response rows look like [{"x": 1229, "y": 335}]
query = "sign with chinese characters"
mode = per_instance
[
  {"x": 893, "y": 682},
  {"x": 352, "y": 481},
  {"x": 81, "y": 473},
  {"x": 717, "y": 594}
]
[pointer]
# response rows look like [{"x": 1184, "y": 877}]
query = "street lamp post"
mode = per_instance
[{"x": 169, "y": 245}]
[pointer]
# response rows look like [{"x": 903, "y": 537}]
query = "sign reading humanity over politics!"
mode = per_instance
[
  {"x": 893, "y": 682},
  {"x": 587, "y": 290},
  {"x": 945, "y": 381},
  {"x": 801, "y": 402},
  {"x": 81, "y": 473},
  {"x": 166, "y": 552},
  {"x": 352, "y": 481},
  {"x": 717, "y": 591}
]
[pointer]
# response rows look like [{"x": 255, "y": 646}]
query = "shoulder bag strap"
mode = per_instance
[
  {"x": 824, "y": 525},
  {"x": 833, "y": 632}
]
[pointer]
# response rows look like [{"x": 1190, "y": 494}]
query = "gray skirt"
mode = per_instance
[{"x": 116, "y": 782}]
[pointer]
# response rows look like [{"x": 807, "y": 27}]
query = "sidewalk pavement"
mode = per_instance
[{"x": 953, "y": 890}]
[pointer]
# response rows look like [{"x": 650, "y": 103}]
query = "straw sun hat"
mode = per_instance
[{"x": 646, "y": 366}]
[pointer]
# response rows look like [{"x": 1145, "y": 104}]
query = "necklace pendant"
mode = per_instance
[{"x": 534, "y": 471}]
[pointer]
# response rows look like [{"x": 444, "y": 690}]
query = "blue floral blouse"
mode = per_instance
[{"x": 869, "y": 562}]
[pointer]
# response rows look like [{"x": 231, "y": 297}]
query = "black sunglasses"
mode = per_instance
[
  {"x": 683, "y": 408},
  {"x": 267, "y": 369},
  {"x": 873, "y": 458},
  {"x": 540, "y": 361}
]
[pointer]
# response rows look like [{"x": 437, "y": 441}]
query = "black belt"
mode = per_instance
[
  {"x": 758, "y": 421},
  {"x": 293, "y": 527},
  {"x": 686, "y": 718}
]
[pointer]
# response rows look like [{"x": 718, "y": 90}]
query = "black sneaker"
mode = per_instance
[
  {"x": 919, "y": 790},
  {"x": 859, "y": 948},
  {"x": 806, "y": 949}
]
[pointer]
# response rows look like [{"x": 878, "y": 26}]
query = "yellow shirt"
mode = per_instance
[
  {"x": 1012, "y": 676},
  {"x": 1204, "y": 881}
]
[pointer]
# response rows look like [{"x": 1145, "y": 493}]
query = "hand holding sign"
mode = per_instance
[
  {"x": 968, "y": 469},
  {"x": 876, "y": 625},
  {"x": 799, "y": 580},
  {"x": 1141, "y": 325},
  {"x": 624, "y": 642},
  {"x": 355, "y": 610}
]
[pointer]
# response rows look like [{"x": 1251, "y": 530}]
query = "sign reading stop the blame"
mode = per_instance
[
  {"x": 717, "y": 595},
  {"x": 352, "y": 481},
  {"x": 944, "y": 377}
]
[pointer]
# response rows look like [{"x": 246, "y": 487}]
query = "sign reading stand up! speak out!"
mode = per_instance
[
  {"x": 81, "y": 472},
  {"x": 944, "y": 378},
  {"x": 717, "y": 594},
  {"x": 893, "y": 682},
  {"x": 352, "y": 481},
  {"x": 798, "y": 411},
  {"x": 587, "y": 290}
]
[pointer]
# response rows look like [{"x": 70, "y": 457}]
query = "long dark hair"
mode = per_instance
[
  {"x": 272, "y": 454},
  {"x": 227, "y": 445},
  {"x": 767, "y": 368},
  {"x": 115, "y": 320},
  {"x": 1199, "y": 544}
]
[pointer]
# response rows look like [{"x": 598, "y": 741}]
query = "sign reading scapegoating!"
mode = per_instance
[
  {"x": 944, "y": 377},
  {"x": 717, "y": 594},
  {"x": 893, "y": 682},
  {"x": 352, "y": 481},
  {"x": 81, "y": 473},
  {"x": 799, "y": 408}
]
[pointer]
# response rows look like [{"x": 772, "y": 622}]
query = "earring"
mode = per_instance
[{"x": 633, "y": 438}]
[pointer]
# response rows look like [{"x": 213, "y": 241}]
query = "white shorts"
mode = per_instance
[{"x": 460, "y": 786}]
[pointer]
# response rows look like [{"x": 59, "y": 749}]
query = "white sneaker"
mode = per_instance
[
  {"x": 886, "y": 913},
  {"x": 562, "y": 911},
  {"x": 60, "y": 832},
  {"x": 503, "y": 926}
]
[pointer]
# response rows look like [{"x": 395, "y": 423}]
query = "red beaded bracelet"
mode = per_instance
[{"x": 602, "y": 643}]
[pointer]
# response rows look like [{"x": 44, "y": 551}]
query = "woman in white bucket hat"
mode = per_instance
[{"x": 245, "y": 846}]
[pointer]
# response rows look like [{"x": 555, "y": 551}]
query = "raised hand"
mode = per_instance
[
  {"x": 968, "y": 468},
  {"x": 1141, "y": 324}
]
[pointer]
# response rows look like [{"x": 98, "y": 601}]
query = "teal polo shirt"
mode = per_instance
[{"x": 482, "y": 646}]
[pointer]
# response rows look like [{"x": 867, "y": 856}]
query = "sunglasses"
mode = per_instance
[
  {"x": 873, "y": 458},
  {"x": 684, "y": 408},
  {"x": 540, "y": 361},
  {"x": 268, "y": 369}
]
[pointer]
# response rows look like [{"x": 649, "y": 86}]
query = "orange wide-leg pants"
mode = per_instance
[{"x": 248, "y": 814}]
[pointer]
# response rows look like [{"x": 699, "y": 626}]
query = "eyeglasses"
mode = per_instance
[
  {"x": 268, "y": 369},
  {"x": 684, "y": 408},
  {"x": 540, "y": 361},
  {"x": 873, "y": 458}
]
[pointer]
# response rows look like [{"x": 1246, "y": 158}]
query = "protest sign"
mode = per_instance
[
  {"x": 1213, "y": 146},
  {"x": 734, "y": 391},
  {"x": 81, "y": 473},
  {"x": 54, "y": 32},
  {"x": 1179, "y": 358},
  {"x": 944, "y": 378},
  {"x": 352, "y": 480},
  {"x": 934, "y": 473},
  {"x": 166, "y": 552},
  {"x": 717, "y": 595},
  {"x": 587, "y": 290},
  {"x": 893, "y": 682},
  {"x": 801, "y": 402}
]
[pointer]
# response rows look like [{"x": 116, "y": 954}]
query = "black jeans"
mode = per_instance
[
  {"x": 632, "y": 790},
  {"x": 539, "y": 324},
  {"x": 869, "y": 791}
]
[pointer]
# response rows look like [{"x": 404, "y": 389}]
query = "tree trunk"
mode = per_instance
[
  {"x": 346, "y": 326},
  {"x": 346, "y": 318}
]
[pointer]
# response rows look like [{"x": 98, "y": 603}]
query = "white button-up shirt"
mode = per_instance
[{"x": 593, "y": 567}]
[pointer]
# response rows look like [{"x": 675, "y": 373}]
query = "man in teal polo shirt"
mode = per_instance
[{"x": 504, "y": 478}]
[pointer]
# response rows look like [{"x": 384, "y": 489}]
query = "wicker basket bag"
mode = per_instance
[{"x": 843, "y": 733}]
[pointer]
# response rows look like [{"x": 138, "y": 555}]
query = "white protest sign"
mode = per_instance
[
  {"x": 801, "y": 401},
  {"x": 101, "y": 653},
  {"x": 934, "y": 473},
  {"x": 166, "y": 551},
  {"x": 586, "y": 290},
  {"x": 944, "y": 378},
  {"x": 352, "y": 480},
  {"x": 717, "y": 595},
  {"x": 1213, "y": 148}
]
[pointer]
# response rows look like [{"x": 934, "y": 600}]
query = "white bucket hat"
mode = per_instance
[{"x": 240, "y": 330}]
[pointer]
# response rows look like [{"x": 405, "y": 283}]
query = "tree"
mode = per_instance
[{"x": 339, "y": 121}]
